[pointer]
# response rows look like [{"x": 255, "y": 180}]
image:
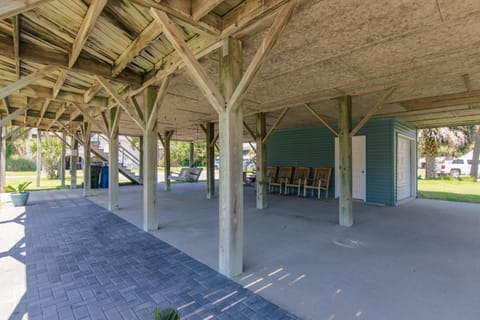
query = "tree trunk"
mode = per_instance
[
  {"x": 476, "y": 154},
  {"x": 430, "y": 166}
]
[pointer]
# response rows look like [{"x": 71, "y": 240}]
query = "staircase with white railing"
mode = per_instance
[{"x": 127, "y": 160}]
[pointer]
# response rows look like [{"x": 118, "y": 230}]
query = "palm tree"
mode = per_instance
[{"x": 431, "y": 139}]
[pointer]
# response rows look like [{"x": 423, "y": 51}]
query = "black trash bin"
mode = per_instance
[{"x": 95, "y": 176}]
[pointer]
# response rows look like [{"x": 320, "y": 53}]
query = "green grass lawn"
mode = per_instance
[{"x": 450, "y": 190}]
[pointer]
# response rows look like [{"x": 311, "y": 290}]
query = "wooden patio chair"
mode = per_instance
[
  {"x": 301, "y": 173},
  {"x": 320, "y": 182},
  {"x": 270, "y": 176},
  {"x": 283, "y": 174}
]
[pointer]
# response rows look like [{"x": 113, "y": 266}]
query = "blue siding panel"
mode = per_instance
[{"x": 315, "y": 147}]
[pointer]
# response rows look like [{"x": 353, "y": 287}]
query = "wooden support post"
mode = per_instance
[
  {"x": 150, "y": 216},
  {"x": 3, "y": 158},
  {"x": 73, "y": 163},
  {"x": 345, "y": 161},
  {"x": 231, "y": 182},
  {"x": 167, "y": 159},
  {"x": 210, "y": 133},
  {"x": 87, "y": 177},
  {"x": 113, "y": 146},
  {"x": 61, "y": 169},
  {"x": 191, "y": 155},
  {"x": 261, "y": 161},
  {"x": 39, "y": 159},
  {"x": 140, "y": 165}
]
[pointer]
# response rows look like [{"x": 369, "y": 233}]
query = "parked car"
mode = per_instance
[{"x": 456, "y": 167}]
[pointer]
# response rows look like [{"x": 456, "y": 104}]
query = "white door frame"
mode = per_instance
[
  {"x": 413, "y": 165},
  {"x": 363, "y": 197}
]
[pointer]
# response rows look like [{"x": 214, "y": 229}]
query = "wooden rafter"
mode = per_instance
[
  {"x": 122, "y": 102},
  {"x": 162, "y": 92},
  {"x": 75, "y": 114},
  {"x": 320, "y": 118},
  {"x": 25, "y": 81},
  {"x": 38, "y": 54},
  {"x": 452, "y": 99},
  {"x": 14, "y": 7},
  {"x": 210, "y": 23},
  {"x": 35, "y": 91},
  {"x": 93, "y": 12},
  {"x": 279, "y": 24},
  {"x": 59, "y": 84},
  {"x": 6, "y": 105},
  {"x": 150, "y": 33},
  {"x": 372, "y": 111},
  {"x": 274, "y": 126},
  {"x": 194, "y": 68},
  {"x": 200, "y": 8},
  {"x": 18, "y": 112},
  {"x": 16, "y": 44},
  {"x": 43, "y": 110}
]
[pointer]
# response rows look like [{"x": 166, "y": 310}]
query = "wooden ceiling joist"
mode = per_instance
[
  {"x": 43, "y": 110},
  {"x": 454, "y": 99},
  {"x": 14, "y": 7},
  {"x": 200, "y": 8},
  {"x": 25, "y": 81},
  {"x": 18, "y": 112},
  {"x": 88, "y": 117},
  {"x": 149, "y": 34},
  {"x": 59, "y": 84},
  {"x": 93, "y": 12},
  {"x": 38, "y": 54},
  {"x": 35, "y": 91},
  {"x": 16, "y": 44},
  {"x": 58, "y": 114},
  {"x": 92, "y": 92}
]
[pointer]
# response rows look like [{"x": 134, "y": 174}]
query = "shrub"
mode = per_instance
[{"x": 20, "y": 164}]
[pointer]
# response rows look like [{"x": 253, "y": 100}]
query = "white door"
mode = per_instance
[
  {"x": 359, "y": 162},
  {"x": 404, "y": 168}
]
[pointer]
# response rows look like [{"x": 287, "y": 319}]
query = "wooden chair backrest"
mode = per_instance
[
  {"x": 271, "y": 172},
  {"x": 301, "y": 173},
  {"x": 322, "y": 174},
  {"x": 284, "y": 172},
  {"x": 184, "y": 173}
]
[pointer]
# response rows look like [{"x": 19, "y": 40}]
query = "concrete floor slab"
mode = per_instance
[{"x": 416, "y": 261}]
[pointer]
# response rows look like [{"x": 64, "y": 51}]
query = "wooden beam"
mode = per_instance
[
  {"x": 59, "y": 84},
  {"x": 35, "y": 91},
  {"x": 88, "y": 117},
  {"x": 157, "y": 104},
  {"x": 91, "y": 92},
  {"x": 345, "y": 161},
  {"x": 160, "y": 137},
  {"x": 58, "y": 114},
  {"x": 14, "y": 7},
  {"x": 200, "y": 8},
  {"x": 279, "y": 24},
  {"x": 43, "y": 110},
  {"x": 149, "y": 34},
  {"x": 88, "y": 23},
  {"x": 25, "y": 81},
  {"x": 275, "y": 124},
  {"x": 16, "y": 44},
  {"x": 196, "y": 71},
  {"x": 215, "y": 138},
  {"x": 134, "y": 103},
  {"x": 75, "y": 114},
  {"x": 209, "y": 24},
  {"x": 7, "y": 107},
  {"x": 372, "y": 111},
  {"x": 319, "y": 117},
  {"x": 124, "y": 104},
  {"x": 15, "y": 131},
  {"x": 38, "y": 54},
  {"x": 252, "y": 134},
  {"x": 447, "y": 100},
  {"x": 115, "y": 119},
  {"x": 17, "y": 112},
  {"x": 19, "y": 134}
]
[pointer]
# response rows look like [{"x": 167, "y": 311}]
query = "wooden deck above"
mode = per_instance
[{"x": 53, "y": 53}]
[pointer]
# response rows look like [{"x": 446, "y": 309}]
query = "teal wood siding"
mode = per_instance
[
  {"x": 315, "y": 146},
  {"x": 303, "y": 147}
]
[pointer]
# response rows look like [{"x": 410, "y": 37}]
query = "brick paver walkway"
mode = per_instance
[{"x": 83, "y": 262}]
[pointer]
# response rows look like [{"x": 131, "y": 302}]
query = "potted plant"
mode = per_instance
[
  {"x": 18, "y": 195},
  {"x": 166, "y": 314}
]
